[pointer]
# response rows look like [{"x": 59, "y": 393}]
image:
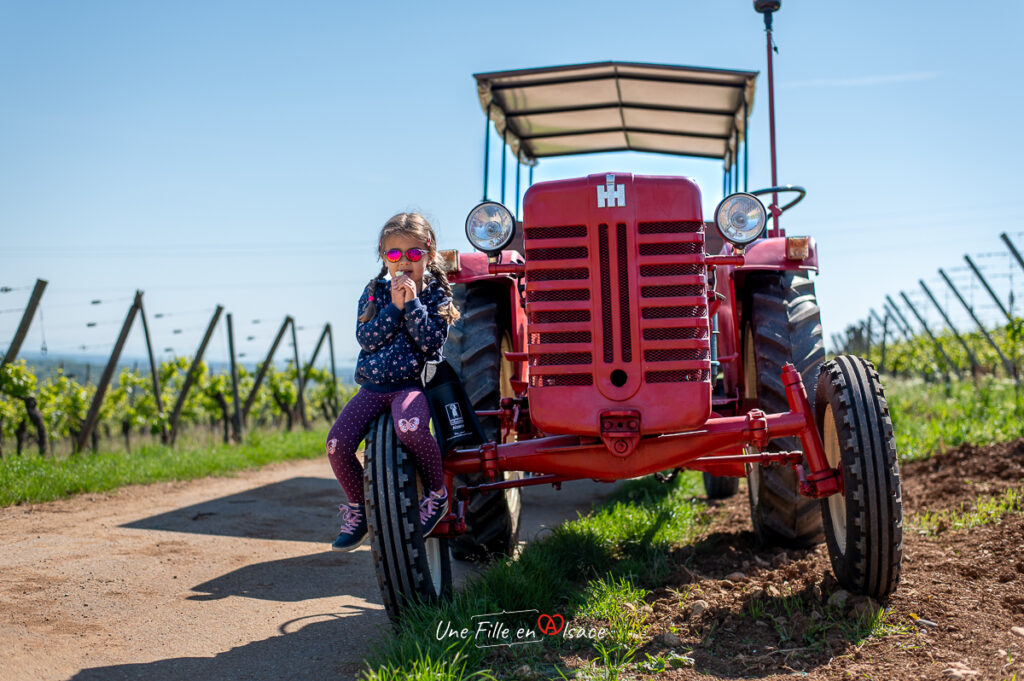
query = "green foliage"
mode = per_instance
[
  {"x": 65, "y": 403},
  {"x": 17, "y": 380},
  {"x": 130, "y": 402},
  {"x": 910, "y": 358},
  {"x": 928, "y": 417}
]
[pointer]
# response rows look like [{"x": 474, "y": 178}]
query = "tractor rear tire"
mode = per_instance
[
  {"x": 785, "y": 326},
  {"x": 720, "y": 486},
  {"x": 864, "y": 523},
  {"x": 475, "y": 349},
  {"x": 409, "y": 568}
]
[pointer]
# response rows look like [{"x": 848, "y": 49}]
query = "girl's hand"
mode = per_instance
[{"x": 403, "y": 289}]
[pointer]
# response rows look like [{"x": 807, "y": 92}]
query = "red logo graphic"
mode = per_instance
[{"x": 548, "y": 626}]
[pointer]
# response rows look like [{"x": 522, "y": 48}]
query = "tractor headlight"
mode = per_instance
[
  {"x": 490, "y": 227},
  {"x": 740, "y": 218}
]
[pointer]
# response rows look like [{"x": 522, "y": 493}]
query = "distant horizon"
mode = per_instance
[{"x": 345, "y": 372}]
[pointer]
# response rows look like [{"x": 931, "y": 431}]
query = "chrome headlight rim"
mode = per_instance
[
  {"x": 727, "y": 203},
  {"x": 507, "y": 220}
]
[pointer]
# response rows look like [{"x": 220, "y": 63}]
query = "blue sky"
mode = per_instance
[{"x": 247, "y": 153}]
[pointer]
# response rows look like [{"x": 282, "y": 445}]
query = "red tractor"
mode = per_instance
[{"x": 614, "y": 333}]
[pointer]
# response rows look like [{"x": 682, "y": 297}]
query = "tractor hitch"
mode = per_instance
[{"x": 620, "y": 431}]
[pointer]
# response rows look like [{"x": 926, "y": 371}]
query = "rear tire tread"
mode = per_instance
[
  {"x": 786, "y": 328},
  {"x": 474, "y": 350}
]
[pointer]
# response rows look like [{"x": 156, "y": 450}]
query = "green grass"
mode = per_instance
[
  {"x": 985, "y": 511},
  {"x": 930, "y": 417},
  {"x": 450, "y": 665},
  {"x": 595, "y": 567},
  {"x": 618, "y": 602},
  {"x": 31, "y": 479}
]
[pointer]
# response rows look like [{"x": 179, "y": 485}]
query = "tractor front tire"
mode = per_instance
[
  {"x": 864, "y": 523},
  {"x": 409, "y": 568},
  {"x": 784, "y": 326},
  {"x": 475, "y": 349}
]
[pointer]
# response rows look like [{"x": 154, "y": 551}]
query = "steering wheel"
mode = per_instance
[{"x": 788, "y": 188}]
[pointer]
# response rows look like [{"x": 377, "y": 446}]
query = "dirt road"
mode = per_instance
[{"x": 220, "y": 578}]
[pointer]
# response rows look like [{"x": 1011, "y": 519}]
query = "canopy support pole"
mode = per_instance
[
  {"x": 746, "y": 143},
  {"x": 504, "y": 146},
  {"x": 735, "y": 164},
  {"x": 519, "y": 167},
  {"x": 776, "y": 227},
  {"x": 487, "y": 146}
]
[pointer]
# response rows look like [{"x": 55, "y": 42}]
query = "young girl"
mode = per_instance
[{"x": 402, "y": 324}]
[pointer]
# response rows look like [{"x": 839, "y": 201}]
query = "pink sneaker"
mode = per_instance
[
  {"x": 433, "y": 508},
  {"x": 353, "y": 528}
]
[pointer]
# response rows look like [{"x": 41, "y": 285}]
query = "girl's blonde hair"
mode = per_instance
[{"x": 416, "y": 226}]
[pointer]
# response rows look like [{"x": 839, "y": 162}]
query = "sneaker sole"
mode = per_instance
[{"x": 352, "y": 547}]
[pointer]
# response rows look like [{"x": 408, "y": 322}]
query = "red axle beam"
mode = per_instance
[{"x": 573, "y": 456}]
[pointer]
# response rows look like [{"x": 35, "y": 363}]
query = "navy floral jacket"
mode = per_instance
[{"x": 396, "y": 344}]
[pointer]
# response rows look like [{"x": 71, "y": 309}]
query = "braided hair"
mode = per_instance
[
  {"x": 416, "y": 226},
  {"x": 449, "y": 312},
  {"x": 371, "y": 309}
]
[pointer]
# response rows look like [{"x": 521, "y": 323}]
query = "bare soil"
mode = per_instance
[{"x": 957, "y": 613}]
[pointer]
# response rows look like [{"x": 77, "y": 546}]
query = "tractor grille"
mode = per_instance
[
  {"x": 673, "y": 302},
  {"x": 687, "y": 376},
  {"x": 616, "y": 304},
  {"x": 569, "y": 266},
  {"x": 624, "y": 312},
  {"x": 560, "y": 336}
]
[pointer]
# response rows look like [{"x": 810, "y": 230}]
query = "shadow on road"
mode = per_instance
[
  {"x": 302, "y": 650},
  {"x": 299, "y": 509},
  {"x": 319, "y": 575}
]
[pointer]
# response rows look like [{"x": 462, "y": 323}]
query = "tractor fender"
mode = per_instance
[
  {"x": 770, "y": 254},
  {"x": 473, "y": 270}
]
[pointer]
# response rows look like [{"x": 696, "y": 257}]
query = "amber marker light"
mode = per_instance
[
  {"x": 798, "y": 247},
  {"x": 449, "y": 260}
]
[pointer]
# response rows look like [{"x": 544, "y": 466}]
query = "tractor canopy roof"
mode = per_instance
[{"x": 619, "y": 106}]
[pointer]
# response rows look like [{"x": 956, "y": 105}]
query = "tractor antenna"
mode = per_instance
[{"x": 767, "y": 8}]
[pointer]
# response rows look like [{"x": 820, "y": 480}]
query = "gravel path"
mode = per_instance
[{"x": 219, "y": 578}]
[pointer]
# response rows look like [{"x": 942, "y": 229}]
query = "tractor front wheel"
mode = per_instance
[
  {"x": 409, "y": 568},
  {"x": 864, "y": 523}
]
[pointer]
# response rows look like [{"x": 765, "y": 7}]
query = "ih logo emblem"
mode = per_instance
[{"x": 611, "y": 195}]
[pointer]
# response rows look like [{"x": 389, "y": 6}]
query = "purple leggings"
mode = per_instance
[{"x": 411, "y": 419}]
